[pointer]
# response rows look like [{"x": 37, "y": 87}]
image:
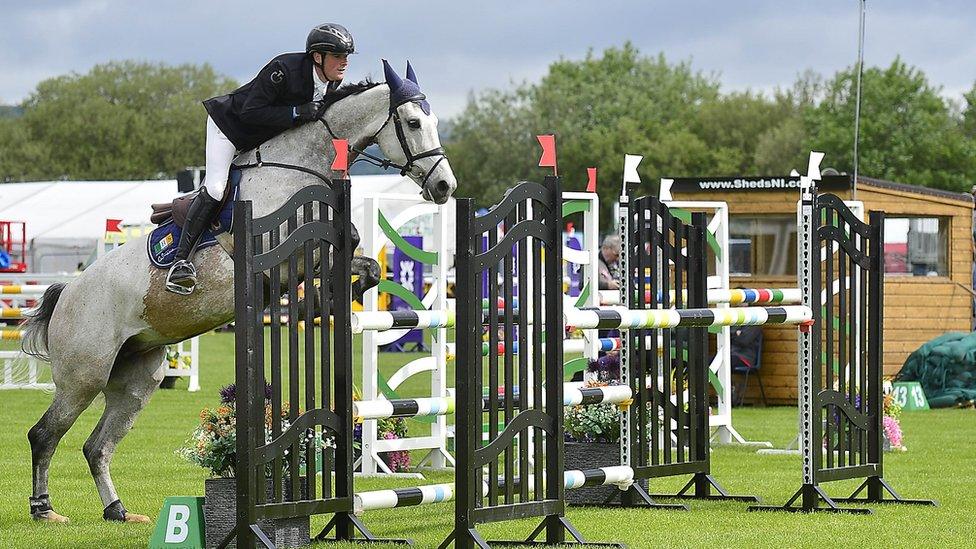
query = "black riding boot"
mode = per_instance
[{"x": 182, "y": 277}]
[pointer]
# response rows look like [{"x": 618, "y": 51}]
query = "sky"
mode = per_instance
[{"x": 458, "y": 47}]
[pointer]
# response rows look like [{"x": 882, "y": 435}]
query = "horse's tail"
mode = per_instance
[{"x": 34, "y": 340}]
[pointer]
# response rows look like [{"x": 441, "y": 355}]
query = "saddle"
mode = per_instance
[
  {"x": 176, "y": 210},
  {"x": 162, "y": 244}
]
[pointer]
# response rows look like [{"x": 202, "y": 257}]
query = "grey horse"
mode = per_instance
[{"x": 105, "y": 331}]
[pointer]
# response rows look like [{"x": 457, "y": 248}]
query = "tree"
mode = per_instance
[
  {"x": 21, "y": 158},
  {"x": 124, "y": 120},
  {"x": 969, "y": 114},
  {"x": 908, "y": 132},
  {"x": 599, "y": 108}
]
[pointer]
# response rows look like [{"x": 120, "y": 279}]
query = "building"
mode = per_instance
[{"x": 928, "y": 259}]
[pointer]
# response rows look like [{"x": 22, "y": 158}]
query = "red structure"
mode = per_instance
[{"x": 13, "y": 245}]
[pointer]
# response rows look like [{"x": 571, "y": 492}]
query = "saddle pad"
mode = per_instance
[{"x": 165, "y": 239}]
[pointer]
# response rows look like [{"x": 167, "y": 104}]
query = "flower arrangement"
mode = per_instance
[
  {"x": 175, "y": 360},
  {"x": 606, "y": 368},
  {"x": 593, "y": 423},
  {"x": 213, "y": 443},
  {"x": 891, "y": 424},
  {"x": 388, "y": 429}
]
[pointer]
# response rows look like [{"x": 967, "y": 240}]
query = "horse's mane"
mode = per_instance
[{"x": 346, "y": 90}]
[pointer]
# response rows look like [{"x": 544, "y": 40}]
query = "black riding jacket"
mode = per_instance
[{"x": 263, "y": 108}]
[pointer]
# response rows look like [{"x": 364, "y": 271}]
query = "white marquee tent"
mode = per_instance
[{"x": 65, "y": 220}]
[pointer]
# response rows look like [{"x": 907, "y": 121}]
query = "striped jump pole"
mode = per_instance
[
  {"x": 381, "y": 321},
  {"x": 716, "y": 296},
  {"x": 16, "y": 313},
  {"x": 405, "y": 497},
  {"x": 623, "y": 318},
  {"x": 24, "y": 289},
  {"x": 12, "y": 334},
  {"x": 605, "y": 344},
  {"x": 619, "y": 475},
  {"x": 573, "y": 395}
]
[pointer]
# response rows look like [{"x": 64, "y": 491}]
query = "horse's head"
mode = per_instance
[{"x": 409, "y": 138}]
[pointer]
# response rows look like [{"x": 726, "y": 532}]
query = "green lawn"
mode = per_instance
[{"x": 940, "y": 464}]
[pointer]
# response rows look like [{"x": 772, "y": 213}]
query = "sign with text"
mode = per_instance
[
  {"x": 180, "y": 524},
  {"x": 737, "y": 183},
  {"x": 909, "y": 395}
]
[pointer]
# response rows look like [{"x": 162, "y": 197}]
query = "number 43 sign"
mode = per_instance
[{"x": 180, "y": 524}]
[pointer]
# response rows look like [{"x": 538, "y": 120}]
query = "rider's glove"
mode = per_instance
[{"x": 308, "y": 112}]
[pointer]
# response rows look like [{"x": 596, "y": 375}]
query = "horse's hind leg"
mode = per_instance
[
  {"x": 133, "y": 381},
  {"x": 69, "y": 402}
]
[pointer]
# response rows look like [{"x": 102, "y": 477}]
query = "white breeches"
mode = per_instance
[{"x": 220, "y": 153}]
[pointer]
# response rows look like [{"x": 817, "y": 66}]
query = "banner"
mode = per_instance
[
  {"x": 408, "y": 273},
  {"x": 756, "y": 183}
]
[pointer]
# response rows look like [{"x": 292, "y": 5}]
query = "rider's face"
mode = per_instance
[{"x": 334, "y": 66}]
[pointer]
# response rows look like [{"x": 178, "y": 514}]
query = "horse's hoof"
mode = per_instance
[
  {"x": 138, "y": 519},
  {"x": 115, "y": 512},
  {"x": 51, "y": 516}
]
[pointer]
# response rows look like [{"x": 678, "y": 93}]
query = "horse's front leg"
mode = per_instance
[{"x": 368, "y": 270}]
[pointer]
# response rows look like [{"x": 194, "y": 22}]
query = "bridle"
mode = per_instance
[
  {"x": 410, "y": 165},
  {"x": 406, "y": 168}
]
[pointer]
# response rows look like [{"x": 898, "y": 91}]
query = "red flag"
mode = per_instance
[
  {"x": 112, "y": 225},
  {"x": 341, "y": 162},
  {"x": 548, "y": 159},
  {"x": 591, "y": 180}
]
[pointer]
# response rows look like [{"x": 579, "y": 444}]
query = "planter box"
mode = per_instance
[
  {"x": 592, "y": 455},
  {"x": 220, "y": 512}
]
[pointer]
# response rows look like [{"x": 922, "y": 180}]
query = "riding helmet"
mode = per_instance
[{"x": 330, "y": 38}]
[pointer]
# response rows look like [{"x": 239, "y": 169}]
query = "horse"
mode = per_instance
[{"x": 106, "y": 330}]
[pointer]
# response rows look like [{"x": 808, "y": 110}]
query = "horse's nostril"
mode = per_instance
[{"x": 443, "y": 187}]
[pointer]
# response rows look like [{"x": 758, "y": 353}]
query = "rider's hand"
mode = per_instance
[{"x": 308, "y": 112}]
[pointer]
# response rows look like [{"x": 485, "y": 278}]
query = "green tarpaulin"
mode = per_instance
[{"x": 946, "y": 369}]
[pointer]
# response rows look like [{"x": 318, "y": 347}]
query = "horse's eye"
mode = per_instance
[{"x": 414, "y": 124}]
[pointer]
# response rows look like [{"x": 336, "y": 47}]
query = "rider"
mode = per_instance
[{"x": 287, "y": 92}]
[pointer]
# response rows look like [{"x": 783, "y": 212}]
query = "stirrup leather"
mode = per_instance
[{"x": 185, "y": 279}]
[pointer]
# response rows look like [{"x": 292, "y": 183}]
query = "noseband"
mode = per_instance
[{"x": 410, "y": 164}]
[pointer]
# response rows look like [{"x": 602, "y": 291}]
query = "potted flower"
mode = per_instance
[
  {"x": 213, "y": 446},
  {"x": 592, "y": 440},
  {"x": 606, "y": 368},
  {"x": 891, "y": 424},
  {"x": 891, "y": 434},
  {"x": 174, "y": 361},
  {"x": 386, "y": 429}
]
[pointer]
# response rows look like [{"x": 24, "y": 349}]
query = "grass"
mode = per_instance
[{"x": 940, "y": 464}]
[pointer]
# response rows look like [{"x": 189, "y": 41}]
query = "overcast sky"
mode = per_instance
[{"x": 459, "y": 46}]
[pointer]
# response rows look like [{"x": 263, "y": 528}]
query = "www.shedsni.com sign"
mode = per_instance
[{"x": 755, "y": 183}]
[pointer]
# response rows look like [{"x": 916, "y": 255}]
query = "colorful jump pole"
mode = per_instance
[
  {"x": 623, "y": 318},
  {"x": 716, "y": 296}
]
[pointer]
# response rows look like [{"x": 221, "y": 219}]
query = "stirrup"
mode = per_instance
[{"x": 185, "y": 282}]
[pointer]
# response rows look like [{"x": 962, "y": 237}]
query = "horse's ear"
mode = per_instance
[
  {"x": 392, "y": 78},
  {"x": 411, "y": 76}
]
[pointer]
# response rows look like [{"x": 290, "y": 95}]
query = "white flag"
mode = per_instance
[
  {"x": 665, "y": 193},
  {"x": 630, "y": 168},
  {"x": 813, "y": 168},
  {"x": 630, "y": 171}
]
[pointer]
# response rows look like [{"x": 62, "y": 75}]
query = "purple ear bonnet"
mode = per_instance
[{"x": 403, "y": 91}]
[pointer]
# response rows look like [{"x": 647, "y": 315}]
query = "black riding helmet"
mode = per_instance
[{"x": 330, "y": 38}]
